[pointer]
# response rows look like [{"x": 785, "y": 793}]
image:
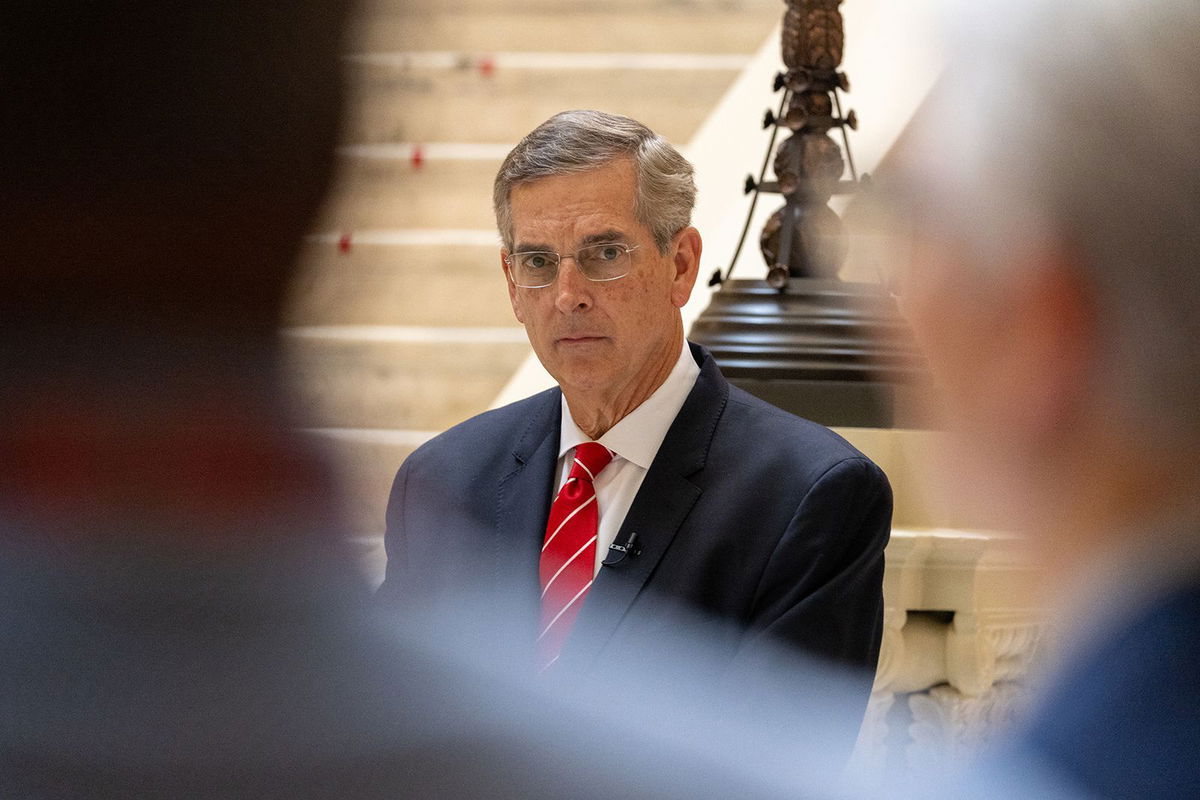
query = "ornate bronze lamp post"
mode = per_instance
[{"x": 830, "y": 350}]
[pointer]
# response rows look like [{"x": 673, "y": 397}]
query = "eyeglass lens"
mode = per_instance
[{"x": 598, "y": 262}]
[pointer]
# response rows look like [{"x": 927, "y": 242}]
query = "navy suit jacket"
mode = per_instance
[
  {"x": 1123, "y": 720},
  {"x": 1120, "y": 718},
  {"x": 769, "y": 524}
]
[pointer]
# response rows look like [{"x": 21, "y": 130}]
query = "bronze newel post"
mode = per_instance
[
  {"x": 805, "y": 238},
  {"x": 800, "y": 337}
]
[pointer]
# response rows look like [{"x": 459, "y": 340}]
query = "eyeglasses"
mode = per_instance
[{"x": 536, "y": 269}]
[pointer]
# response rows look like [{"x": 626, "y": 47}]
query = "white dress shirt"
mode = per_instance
[{"x": 634, "y": 441}]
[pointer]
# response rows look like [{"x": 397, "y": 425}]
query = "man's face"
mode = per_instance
[
  {"x": 1010, "y": 347},
  {"x": 960, "y": 329},
  {"x": 599, "y": 337}
]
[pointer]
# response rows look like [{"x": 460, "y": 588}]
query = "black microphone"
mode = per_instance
[{"x": 618, "y": 551}]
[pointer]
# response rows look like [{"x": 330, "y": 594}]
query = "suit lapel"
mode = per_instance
[
  {"x": 523, "y": 503},
  {"x": 663, "y": 502}
]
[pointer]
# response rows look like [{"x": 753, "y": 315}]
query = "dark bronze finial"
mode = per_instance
[
  {"x": 831, "y": 350},
  {"x": 805, "y": 238}
]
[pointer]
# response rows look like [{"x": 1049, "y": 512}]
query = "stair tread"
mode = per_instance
[
  {"x": 715, "y": 27},
  {"x": 452, "y": 286},
  {"x": 426, "y": 386},
  {"x": 424, "y": 105}
]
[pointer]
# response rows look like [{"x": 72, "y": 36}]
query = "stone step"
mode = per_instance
[
  {"x": 374, "y": 383},
  {"x": 392, "y": 104},
  {"x": 373, "y": 8},
  {"x": 670, "y": 26},
  {"x": 378, "y": 285},
  {"x": 392, "y": 193}
]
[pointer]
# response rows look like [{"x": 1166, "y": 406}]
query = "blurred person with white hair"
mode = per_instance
[{"x": 1052, "y": 185}]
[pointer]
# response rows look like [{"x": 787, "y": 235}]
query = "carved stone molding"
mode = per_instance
[
  {"x": 981, "y": 652},
  {"x": 960, "y": 635},
  {"x": 956, "y": 611},
  {"x": 948, "y": 725}
]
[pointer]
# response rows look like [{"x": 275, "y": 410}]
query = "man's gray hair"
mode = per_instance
[
  {"x": 1078, "y": 121},
  {"x": 577, "y": 141}
]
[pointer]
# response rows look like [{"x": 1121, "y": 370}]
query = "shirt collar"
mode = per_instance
[{"x": 639, "y": 434}]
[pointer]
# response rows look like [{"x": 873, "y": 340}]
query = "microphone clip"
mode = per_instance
[{"x": 619, "y": 551}]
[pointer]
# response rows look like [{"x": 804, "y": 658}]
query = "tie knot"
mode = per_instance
[{"x": 590, "y": 458}]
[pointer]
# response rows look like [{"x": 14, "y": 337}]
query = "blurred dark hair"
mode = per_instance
[{"x": 161, "y": 161}]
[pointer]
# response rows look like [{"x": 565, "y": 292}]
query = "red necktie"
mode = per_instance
[{"x": 569, "y": 551}]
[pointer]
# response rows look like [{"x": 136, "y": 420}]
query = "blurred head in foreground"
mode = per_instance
[
  {"x": 179, "y": 615},
  {"x": 1052, "y": 183},
  {"x": 1054, "y": 282},
  {"x": 160, "y": 168}
]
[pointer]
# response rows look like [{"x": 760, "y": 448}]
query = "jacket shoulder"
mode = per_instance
[
  {"x": 771, "y": 427},
  {"x": 494, "y": 430}
]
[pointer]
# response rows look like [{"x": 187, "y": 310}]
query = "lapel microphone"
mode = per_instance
[{"x": 619, "y": 550}]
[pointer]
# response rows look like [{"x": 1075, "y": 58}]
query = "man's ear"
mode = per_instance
[
  {"x": 1053, "y": 344},
  {"x": 1027, "y": 355},
  {"x": 1012, "y": 351},
  {"x": 686, "y": 260},
  {"x": 512, "y": 289}
]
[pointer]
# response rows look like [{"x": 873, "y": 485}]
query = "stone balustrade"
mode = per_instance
[{"x": 960, "y": 634}]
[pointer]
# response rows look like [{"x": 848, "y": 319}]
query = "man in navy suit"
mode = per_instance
[
  {"x": 1057, "y": 295},
  {"x": 719, "y": 516}
]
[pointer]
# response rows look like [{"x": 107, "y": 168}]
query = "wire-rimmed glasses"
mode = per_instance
[{"x": 536, "y": 269}]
